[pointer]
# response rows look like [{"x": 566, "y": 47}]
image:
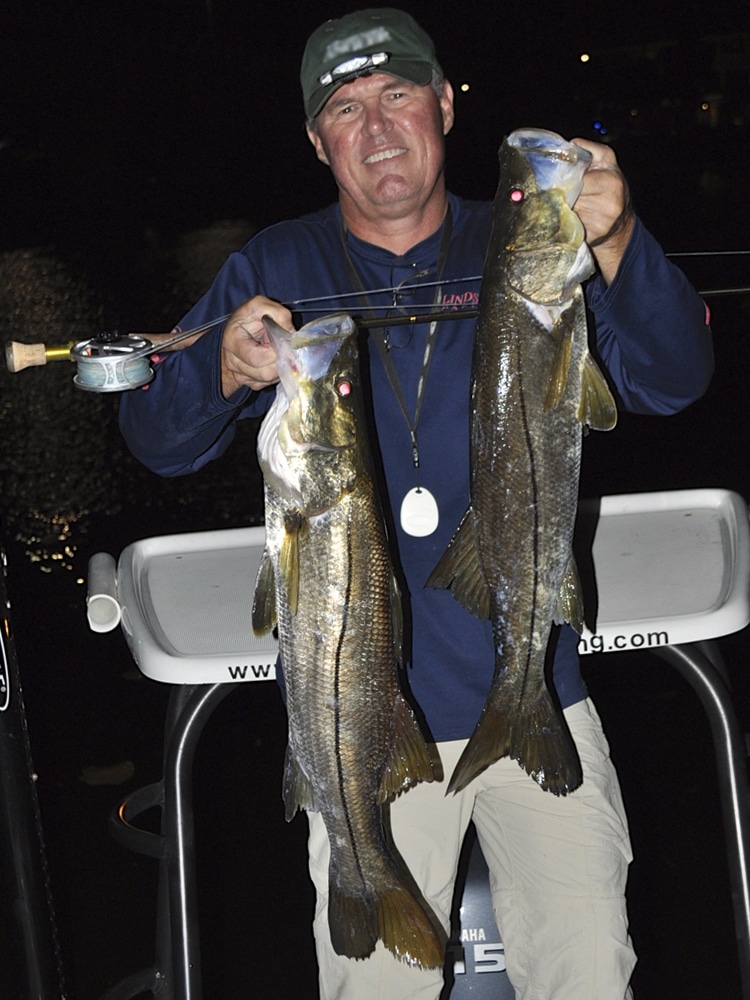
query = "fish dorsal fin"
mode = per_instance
[
  {"x": 459, "y": 570},
  {"x": 409, "y": 759},
  {"x": 597, "y": 408},
  {"x": 569, "y": 600},
  {"x": 294, "y": 526},
  {"x": 264, "y": 614},
  {"x": 297, "y": 792}
]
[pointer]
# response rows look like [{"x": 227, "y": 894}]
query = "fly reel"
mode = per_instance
[{"x": 111, "y": 363}]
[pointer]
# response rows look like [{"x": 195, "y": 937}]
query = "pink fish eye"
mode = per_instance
[
  {"x": 344, "y": 388},
  {"x": 516, "y": 194}
]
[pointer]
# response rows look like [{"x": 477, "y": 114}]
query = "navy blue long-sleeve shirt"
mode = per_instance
[{"x": 649, "y": 328}]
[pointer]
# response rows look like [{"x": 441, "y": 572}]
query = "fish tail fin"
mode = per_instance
[
  {"x": 534, "y": 735},
  {"x": 395, "y": 915},
  {"x": 409, "y": 930},
  {"x": 353, "y": 923}
]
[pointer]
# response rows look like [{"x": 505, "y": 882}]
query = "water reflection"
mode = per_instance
[
  {"x": 52, "y": 471},
  {"x": 63, "y": 466}
]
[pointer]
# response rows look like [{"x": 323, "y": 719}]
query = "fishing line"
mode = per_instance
[
  {"x": 377, "y": 291},
  {"x": 111, "y": 363},
  {"x": 478, "y": 277}
]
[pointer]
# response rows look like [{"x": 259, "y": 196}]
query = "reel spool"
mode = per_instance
[{"x": 111, "y": 363}]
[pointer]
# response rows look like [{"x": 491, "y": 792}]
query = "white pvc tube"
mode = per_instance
[{"x": 102, "y": 607}]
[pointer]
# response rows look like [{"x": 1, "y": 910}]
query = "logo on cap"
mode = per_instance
[{"x": 361, "y": 40}]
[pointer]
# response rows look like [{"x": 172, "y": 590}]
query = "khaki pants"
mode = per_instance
[{"x": 558, "y": 868}]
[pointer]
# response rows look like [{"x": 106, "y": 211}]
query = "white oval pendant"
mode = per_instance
[{"x": 419, "y": 512}]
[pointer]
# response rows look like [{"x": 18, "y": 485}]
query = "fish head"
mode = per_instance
[
  {"x": 310, "y": 440},
  {"x": 541, "y": 176}
]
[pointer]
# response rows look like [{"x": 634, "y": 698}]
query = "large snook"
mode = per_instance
[
  {"x": 327, "y": 581},
  {"x": 534, "y": 388}
]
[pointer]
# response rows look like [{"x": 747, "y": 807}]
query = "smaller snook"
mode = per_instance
[
  {"x": 327, "y": 582},
  {"x": 534, "y": 388}
]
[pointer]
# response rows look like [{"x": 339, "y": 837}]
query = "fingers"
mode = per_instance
[
  {"x": 604, "y": 207},
  {"x": 247, "y": 357},
  {"x": 601, "y": 155}
]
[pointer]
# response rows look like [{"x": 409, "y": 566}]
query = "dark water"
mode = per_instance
[{"x": 70, "y": 489}]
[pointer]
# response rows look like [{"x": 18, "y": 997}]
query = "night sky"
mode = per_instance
[{"x": 120, "y": 117}]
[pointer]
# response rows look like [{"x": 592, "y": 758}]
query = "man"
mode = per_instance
[{"x": 378, "y": 110}]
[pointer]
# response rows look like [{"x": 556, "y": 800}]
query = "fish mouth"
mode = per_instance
[
  {"x": 302, "y": 359},
  {"x": 385, "y": 154},
  {"x": 555, "y": 162},
  {"x": 307, "y": 353}
]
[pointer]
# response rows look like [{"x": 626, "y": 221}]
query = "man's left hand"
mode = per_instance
[{"x": 603, "y": 207}]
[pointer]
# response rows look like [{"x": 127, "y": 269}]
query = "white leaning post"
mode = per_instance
[
  {"x": 186, "y": 603},
  {"x": 670, "y": 574},
  {"x": 664, "y": 572}
]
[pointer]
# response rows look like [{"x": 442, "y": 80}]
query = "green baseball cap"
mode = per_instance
[{"x": 382, "y": 40}]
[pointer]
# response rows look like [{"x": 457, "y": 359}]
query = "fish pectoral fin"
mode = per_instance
[
  {"x": 264, "y": 615},
  {"x": 297, "y": 791},
  {"x": 561, "y": 366},
  {"x": 569, "y": 599},
  {"x": 459, "y": 570},
  {"x": 409, "y": 759},
  {"x": 294, "y": 525},
  {"x": 597, "y": 408}
]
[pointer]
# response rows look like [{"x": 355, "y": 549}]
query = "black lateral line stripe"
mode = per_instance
[
  {"x": 337, "y": 687},
  {"x": 535, "y": 541}
]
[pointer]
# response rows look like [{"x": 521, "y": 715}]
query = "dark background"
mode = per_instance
[{"x": 139, "y": 144}]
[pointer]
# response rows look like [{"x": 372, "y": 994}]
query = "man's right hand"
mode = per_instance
[{"x": 247, "y": 357}]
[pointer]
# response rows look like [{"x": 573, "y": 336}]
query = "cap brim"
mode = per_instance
[{"x": 415, "y": 72}]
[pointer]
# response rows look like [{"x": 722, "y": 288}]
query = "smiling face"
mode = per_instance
[{"x": 383, "y": 139}]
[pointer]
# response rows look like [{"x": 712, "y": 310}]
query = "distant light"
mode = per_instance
[
  {"x": 584, "y": 57},
  {"x": 465, "y": 87},
  {"x": 634, "y": 112},
  {"x": 597, "y": 126},
  {"x": 705, "y": 106}
]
